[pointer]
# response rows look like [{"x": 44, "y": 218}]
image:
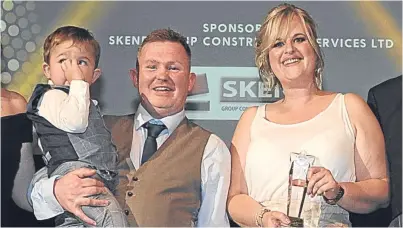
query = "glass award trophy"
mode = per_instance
[{"x": 297, "y": 186}]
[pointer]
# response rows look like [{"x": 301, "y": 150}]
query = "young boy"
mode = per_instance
[{"x": 70, "y": 128}]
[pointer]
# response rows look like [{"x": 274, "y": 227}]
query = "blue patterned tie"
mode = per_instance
[{"x": 154, "y": 129}]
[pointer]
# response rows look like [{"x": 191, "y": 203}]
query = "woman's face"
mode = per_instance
[{"x": 292, "y": 58}]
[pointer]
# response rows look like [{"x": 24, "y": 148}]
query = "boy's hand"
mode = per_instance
[
  {"x": 71, "y": 70},
  {"x": 73, "y": 189}
]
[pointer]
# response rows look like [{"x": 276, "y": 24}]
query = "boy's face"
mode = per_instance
[{"x": 67, "y": 59}]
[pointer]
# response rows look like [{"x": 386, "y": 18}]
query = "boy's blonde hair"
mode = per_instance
[{"x": 77, "y": 35}]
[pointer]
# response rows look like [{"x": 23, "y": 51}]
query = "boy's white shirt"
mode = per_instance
[{"x": 68, "y": 112}]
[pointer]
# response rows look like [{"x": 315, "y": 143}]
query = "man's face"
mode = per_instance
[{"x": 163, "y": 78}]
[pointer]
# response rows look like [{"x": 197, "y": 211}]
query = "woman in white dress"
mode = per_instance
[{"x": 338, "y": 129}]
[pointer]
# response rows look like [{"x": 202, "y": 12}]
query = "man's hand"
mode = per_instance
[
  {"x": 73, "y": 189},
  {"x": 71, "y": 70}
]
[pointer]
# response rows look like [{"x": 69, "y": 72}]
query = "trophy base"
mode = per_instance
[{"x": 296, "y": 222}]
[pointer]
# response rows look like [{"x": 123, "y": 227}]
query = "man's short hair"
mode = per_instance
[{"x": 165, "y": 35}]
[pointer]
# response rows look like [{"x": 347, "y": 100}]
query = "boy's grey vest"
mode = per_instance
[
  {"x": 94, "y": 146},
  {"x": 166, "y": 190}
]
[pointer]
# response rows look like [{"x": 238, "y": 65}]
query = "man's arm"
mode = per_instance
[
  {"x": 215, "y": 175},
  {"x": 23, "y": 177},
  {"x": 371, "y": 100},
  {"x": 26, "y": 167},
  {"x": 41, "y": 196},
  {"x": 68, "y": 112},
  {"x": 52, "y": 196}
]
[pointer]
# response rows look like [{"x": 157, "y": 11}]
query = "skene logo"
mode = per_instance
[{"x": 247, "y": 90}]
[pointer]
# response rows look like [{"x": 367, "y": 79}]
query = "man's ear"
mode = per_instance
[
  {"x": 46, "y": 70},
  {"x": 192, "y": 81},
  {"x": 96, "y": 75},
  {"x": 134, "y": 76}
]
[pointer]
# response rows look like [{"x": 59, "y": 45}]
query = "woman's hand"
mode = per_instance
[
  {"x": 321, "y": 182},
  {"x": 275, "y": 219}
]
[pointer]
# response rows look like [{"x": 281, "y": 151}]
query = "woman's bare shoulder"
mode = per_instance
[{"x": 18, "y": 101}]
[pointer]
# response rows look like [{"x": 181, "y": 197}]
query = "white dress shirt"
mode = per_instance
[
  {"x": 68, "y": 112},
  {"x": 215, "y": 174}
]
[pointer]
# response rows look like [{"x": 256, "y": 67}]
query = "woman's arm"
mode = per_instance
[
  {"x": 371, "y": 190},
  {"x": 241, "y": 207}
]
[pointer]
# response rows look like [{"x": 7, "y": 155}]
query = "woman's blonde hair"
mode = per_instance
[{"x": 275, "y": 26}]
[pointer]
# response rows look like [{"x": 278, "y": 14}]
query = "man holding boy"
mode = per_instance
[{"x": 171, "y": 171}]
